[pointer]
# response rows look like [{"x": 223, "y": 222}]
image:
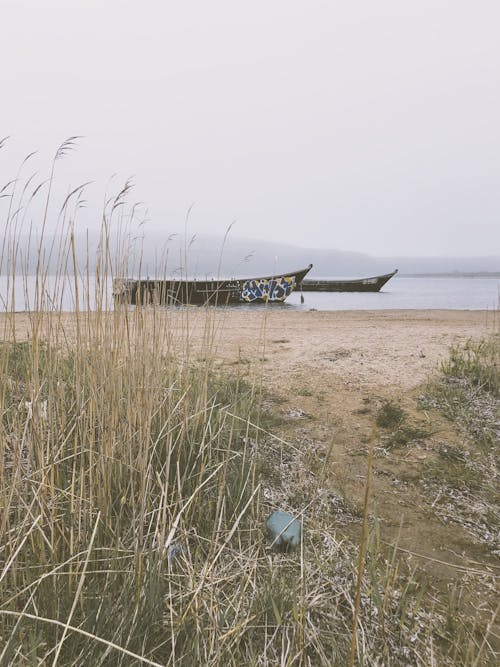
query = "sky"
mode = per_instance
[{"x": 368, "y": 126}]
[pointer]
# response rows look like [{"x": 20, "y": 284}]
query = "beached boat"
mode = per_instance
[
  {"x": 263, "y": 289},
  {"x": 373, "y": 284}
]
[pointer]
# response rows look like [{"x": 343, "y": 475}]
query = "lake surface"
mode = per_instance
[
  {"x": 414, "y": 293},
  {"x": 446, "y": 293}
]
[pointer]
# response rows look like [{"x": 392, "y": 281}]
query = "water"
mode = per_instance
[
  {"x": 424, "y": 293},
  {"x": 399, "y": 293}
]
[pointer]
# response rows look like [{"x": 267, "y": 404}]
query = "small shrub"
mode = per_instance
[
  {"x": 468, "y": 391},
  {"x": 476, "y": 364},
  {"x": 390, "y": 415},
  {"x": 406, "y": 434}
]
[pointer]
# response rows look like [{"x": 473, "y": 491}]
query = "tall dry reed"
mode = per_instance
[{"x": 131, "y": 477}]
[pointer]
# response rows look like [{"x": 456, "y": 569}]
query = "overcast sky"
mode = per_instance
[{"x": 368, "y": 126}]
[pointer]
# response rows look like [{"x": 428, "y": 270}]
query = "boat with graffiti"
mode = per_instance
[
  {"x": 264, "y": 289},
  {"x": 373, "y": 284}
]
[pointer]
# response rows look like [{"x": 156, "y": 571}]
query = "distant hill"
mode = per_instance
[{"x": 209, "y": 256}]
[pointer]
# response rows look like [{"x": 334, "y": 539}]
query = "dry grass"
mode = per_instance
[
  {"x": 466, "y": 479},
  {"x": 134, "y": 483}
]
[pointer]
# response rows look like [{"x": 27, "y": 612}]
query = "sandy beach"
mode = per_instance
[{"x": 364, "y": 349}]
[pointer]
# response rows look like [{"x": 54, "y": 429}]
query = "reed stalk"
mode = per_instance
[{"x": 136, "y": 477}]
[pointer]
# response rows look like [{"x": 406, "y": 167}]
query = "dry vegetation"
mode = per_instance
[{"x": 135, "y": 478}]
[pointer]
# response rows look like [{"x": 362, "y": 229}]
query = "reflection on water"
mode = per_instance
[{"x": 400, "y": 293}]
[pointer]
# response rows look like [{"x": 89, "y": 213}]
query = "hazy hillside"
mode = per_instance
[
  {"x": 207, "y": 256},
  {"x": 212, "y": 256}
]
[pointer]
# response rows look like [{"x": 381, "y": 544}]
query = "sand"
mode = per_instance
[
  {"x": 370, "y": 348},
  {"x": 364, "y": 348}
]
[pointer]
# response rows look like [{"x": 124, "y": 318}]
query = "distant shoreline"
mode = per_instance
[
  {"x": 444, "y": 274},
  {"x": 453, "y": 274}
]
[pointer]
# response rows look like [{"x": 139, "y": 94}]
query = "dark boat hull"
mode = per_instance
[
  {"x": 266, "y": 289},
  {"x": 373, "y": 284}
]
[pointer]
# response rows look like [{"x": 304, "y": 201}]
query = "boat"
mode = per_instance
[
  {"x": 263, "y": 289},
  {"x": 373, "y": 284}
]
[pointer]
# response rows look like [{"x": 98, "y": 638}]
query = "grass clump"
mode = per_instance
[
  {"x": 476, "y": 364},
  {"x": 468, "y": 391},
  {"x": 465, "y": 477},
  {"x": 111, "y": 457},
  {"x": 394, "y": 419},
  {"x": 407, "y": 434},
  {"x": 390, "y": 415},
  {"x": 116, "y": 443}
]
